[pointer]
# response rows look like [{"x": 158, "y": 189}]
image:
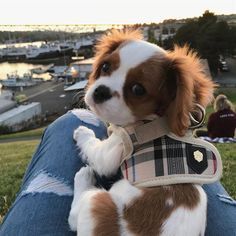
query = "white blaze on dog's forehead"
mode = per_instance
[{"x": 136, "y": 52}]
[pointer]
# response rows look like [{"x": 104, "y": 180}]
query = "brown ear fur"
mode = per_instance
[
  {"x": 193, "y": 86},
  {"x": 108, "y": 43}
]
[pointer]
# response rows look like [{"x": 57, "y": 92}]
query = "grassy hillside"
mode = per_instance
[{"x": 15, "y": 156}]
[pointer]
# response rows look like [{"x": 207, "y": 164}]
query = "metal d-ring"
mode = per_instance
[{"x": 197, "y": 123}]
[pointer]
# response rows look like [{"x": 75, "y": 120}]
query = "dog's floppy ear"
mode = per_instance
[{"x": 192, "y": 87}]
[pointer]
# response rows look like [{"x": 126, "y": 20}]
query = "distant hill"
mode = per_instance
[
  {"x": 230, "y": 19},
  {"x": 31, "y": 33}
]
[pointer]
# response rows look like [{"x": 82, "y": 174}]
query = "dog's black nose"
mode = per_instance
[{"x": 101, "y": 94}]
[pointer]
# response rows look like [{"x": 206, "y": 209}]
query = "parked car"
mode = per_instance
[{"x": 223, "y": 65}]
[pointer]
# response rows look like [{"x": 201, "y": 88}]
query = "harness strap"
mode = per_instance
[{"x": 153, "y": 156}]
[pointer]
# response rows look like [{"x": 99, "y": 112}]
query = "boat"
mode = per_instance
[
  {"x": 68, "y": 74},
  {"x": 12, "y": 53},
  {"x": 42, "y": 70},
  {"x": 66, "y": 48},
  {"x": 15, "y": 81},
  {"x": 84, "y": 47},
  {"x": 42, "y": 52},
  {"x": 48, "y": 50},
  {"x": 57, "y": 69}
]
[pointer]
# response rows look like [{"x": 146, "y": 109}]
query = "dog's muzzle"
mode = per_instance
[{"x": 101, "y": 94}]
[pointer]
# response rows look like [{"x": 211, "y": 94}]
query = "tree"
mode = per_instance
[
  {"x": 187, "y": 34},
  {"x": 209, "y": 37},
  {"x": 232, "y": 41},
  {"x": 168, "y": 43},
  {"x": 207, "y": 18},
  {"x": 151, "y": 37}
]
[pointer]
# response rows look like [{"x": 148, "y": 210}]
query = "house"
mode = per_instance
[
  {"x": 76, "y": 90},
  {"x": 77, "y": 86},
  {"x": 167, "y": 29},
  {"x": 6, "y": 101},
  {"x": 83, "y": 68},
  {"x": 21, "y": 117}
]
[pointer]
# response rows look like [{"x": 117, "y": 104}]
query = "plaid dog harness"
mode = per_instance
[{"x": 153, "y": 156}]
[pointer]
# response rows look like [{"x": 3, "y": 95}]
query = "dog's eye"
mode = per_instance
[
  {"x": 105, "y": 67},
  {"x": 138, "y": 90}
]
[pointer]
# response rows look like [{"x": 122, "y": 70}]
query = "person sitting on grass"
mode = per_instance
[{"x": 222, "y": 122}]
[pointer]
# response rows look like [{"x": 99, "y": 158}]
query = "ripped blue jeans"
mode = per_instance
[{"x": 43, "y": 203}]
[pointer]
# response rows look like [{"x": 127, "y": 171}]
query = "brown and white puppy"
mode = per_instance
[{"x": 131, "y": 80}]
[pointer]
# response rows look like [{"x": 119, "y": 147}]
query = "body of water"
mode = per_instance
[{"x": 20, "y": 69}]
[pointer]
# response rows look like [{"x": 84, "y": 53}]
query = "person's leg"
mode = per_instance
[
  {"x": 43, "y": 203},
  {"x": 221, "y": 211}
]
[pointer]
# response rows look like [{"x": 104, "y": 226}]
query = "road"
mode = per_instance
[
  {"x": 229, "y": 77},
  {"x": 38, "y": 89},
  {"x": 51, "y": 95}
]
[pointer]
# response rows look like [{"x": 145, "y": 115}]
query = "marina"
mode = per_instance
[
  {"x": 14, "y": 80},
  {"x": 53, "y": 86},
  {"x": 20, "y": 69},
  {"x": 46, "y": 52}
]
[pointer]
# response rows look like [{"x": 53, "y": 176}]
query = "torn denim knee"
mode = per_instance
[
  {"x": 86, "y": 116},
  {"x": 226, "y": 199},
  {"x": 45, "y": 183}
]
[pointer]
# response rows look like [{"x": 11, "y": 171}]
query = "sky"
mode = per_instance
[{"x": 107, "y": 11}]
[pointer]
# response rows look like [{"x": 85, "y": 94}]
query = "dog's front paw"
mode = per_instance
[
  {"x": 82, "y": 134},
  {"x": 84, "y": 178},
  {"x": 83, "y": 181}
]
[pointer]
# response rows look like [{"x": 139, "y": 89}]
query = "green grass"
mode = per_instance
[
  {"x": 31, "y": 133},
  {"x": 228, "y": 154},
  {"x": 14, "y": 158}
]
